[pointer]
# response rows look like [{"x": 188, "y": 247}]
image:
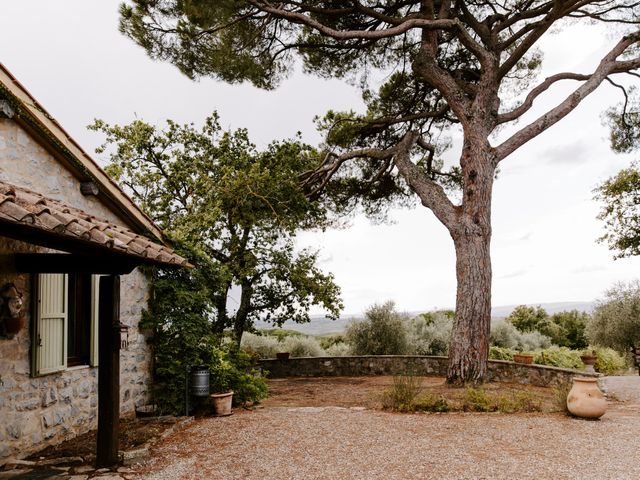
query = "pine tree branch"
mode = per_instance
[{"x": 608, "y": 65}]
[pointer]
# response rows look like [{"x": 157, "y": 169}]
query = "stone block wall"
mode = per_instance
[
  {"x": 39, "y": 411},
  {"x": 499, "y": 371}
]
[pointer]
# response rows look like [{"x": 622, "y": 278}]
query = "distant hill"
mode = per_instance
[{"x": 320, "y": 325}]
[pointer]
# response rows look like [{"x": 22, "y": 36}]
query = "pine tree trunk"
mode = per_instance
[{"x": 469, "y": 348}]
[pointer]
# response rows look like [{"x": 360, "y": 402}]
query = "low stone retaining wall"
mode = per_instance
[{"x": 499, "y": 371}]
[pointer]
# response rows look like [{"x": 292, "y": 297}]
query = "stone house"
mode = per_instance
[{"x": 71, "y": 294}]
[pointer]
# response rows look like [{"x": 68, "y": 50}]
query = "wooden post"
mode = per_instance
[{"x": 108, "y": 371}]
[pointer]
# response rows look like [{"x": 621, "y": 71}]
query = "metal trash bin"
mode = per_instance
[{"x": 199, "y": 381}]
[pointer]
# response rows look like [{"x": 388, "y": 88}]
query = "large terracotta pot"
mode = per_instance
[
  {"x": 585, "y": 398},
  {"x": 222, "y": 403}
]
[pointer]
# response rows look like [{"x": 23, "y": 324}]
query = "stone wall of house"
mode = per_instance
[
  {"x": 45, "y": 410},
  {"x": 40, "y": 411},
  {"x": 24, "y": 162},
  {"x": 499, "y": 371}
]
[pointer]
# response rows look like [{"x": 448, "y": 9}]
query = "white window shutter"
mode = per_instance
[
  {"x": 95, "y": 304},
  {"x": 51, "y": 323}
]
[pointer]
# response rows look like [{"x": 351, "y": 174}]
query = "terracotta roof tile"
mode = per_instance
[{"x": 21, "y": 206}]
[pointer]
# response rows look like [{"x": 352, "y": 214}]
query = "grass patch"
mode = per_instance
[
  {"x": 432, "y": 403},
  {"x": 408, "y": 395}
]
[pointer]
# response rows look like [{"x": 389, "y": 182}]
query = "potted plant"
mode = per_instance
[
  {"x": 525, "y": 358},
  {"x": 221, "y": 378}
]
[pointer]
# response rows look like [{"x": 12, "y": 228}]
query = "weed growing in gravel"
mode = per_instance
[
  {"x": 560, "y": 398},
  {"x": 401, "y": 397}
]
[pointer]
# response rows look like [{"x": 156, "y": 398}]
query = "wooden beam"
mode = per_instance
[
  {"x": 108, "y": 372},
  {"x": 73, "y": 263}
]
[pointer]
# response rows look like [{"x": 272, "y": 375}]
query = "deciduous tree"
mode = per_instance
[
  {"x": 427, "y": 67},
  {"x": 240, "y": 207}
]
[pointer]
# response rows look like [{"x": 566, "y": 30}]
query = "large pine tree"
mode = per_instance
[{"x": 448, "y": 65}]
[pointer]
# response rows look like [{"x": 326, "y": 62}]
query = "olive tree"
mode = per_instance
[
  {"x": 427, "y": 67},
  {"x": 616, "y": 319}
]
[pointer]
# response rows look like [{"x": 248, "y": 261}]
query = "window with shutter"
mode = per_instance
[
  {"x": 66, "y": 326},
  {"x": 95, "y": 303},
  {"x": 51, "y": 323}
]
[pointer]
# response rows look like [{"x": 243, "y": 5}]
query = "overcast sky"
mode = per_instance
[{"x": 70, "y": 56}]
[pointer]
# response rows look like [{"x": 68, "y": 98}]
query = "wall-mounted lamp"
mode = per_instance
[{"x": 124, "y": 336}]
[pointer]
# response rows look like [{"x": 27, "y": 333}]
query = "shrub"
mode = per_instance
[
  {"x": 302, "y": 347},
  {"x": 477, "y": 400},
  {"x": 402, "y": 395},
  {"x": 432, "y": 403},
  {"x": 382, "y": 332},
  {"x": 518, "y": 403},
  {"x": 565, "y": 329},
  {"x": 247, "y": 383},
  {"x": 560, "y": 398},
  {"x": 499, "y": 353},
  {"x": 609, "y": 361},
  {"x": 260, "y": 345},
  {"x": 329, "y": 341},
  {"x": 430, "y": 333},
  {"x": 505, "y": 335},
  {"x": 561, "y": 357},
  {"x": 280, "y": 333},
  {"x": 533, "y": 341},
  {"x": 338, "y": 350},
  {"x": 616, "y": 319}
]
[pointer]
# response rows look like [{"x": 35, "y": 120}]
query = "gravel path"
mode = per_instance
[
  {"x": 625, "y": 388},
  {"x": 353, "y": 443}
]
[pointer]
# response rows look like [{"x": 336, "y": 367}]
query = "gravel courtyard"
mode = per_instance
[{"x": 285, "y": 442}]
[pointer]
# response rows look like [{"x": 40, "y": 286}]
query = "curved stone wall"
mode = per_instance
[{"x": 499, "y": 371}]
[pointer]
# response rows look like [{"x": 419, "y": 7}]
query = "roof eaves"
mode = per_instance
[{"x": 30, "y": 111}]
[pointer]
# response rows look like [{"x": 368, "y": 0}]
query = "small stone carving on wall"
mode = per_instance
[{"x": 12, "y": 318}]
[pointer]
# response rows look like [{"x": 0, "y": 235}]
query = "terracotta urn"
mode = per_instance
[
  {"x": 589, "y": 361},
  {"x": 222, "y": 403},
  {"x": 585, "y": 398}
]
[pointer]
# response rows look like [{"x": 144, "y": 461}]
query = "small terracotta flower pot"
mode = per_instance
[
  {"x": 222, "y": 403},
  {"x": 282, "y": 355},
  {"x": 523, "y": 358},
  {"x": 589, "y": 361}
]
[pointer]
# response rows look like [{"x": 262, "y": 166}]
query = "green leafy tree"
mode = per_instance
[
  {"x": 565, "y": 329},
  {"x": 427, "y": 68},
  {"x": 239, "y": 207},
  {"x": 527, "y": 319},
  {"x": 620, "y": 194},
  {"x": 616, "y": 319},
  {"x": 572, "y": 329}
]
